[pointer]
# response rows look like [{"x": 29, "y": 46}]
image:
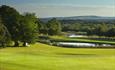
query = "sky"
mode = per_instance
[{"x": 63, "y": 8}]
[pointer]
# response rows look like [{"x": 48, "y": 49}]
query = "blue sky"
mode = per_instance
[{"x": 57, "y": 8}]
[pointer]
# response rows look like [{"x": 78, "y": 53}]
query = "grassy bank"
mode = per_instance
[
  {"x": 45, "y": 57},
  {"x": 86, "y": 40}
]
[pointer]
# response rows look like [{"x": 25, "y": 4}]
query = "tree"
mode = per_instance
[
  {"x": 102, "y": 29},
  {"x": 4, "y": 34},
  {"x": 11, "y": 19},
  {"x": 28, "y": 28},
  {"x": 111, "y": 32},
  {"x": 54, "y": 27},
  {"x": 42, "y": 28}
]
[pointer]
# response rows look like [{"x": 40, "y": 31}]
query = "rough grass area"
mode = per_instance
[{"x": 44, "y": 57}]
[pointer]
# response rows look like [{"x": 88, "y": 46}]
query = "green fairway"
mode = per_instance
[{"x": 45, "y": 57}]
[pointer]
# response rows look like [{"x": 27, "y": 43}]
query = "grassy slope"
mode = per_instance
[{"x": 44, "y": 57}]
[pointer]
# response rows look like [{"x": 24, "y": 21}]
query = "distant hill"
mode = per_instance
[
  {"x": 80, "y": 18},
  {"x": 88, "y": 17}
]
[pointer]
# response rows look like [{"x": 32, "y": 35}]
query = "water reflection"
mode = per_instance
[{"x": 81, "y": 44}]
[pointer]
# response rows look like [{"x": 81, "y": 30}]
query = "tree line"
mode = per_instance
[{"x": 91, "y": 28}]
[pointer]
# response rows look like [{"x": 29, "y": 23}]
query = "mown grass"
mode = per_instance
[{"x": 44, "y": 57}]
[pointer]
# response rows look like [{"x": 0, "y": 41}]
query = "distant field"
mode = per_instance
[{"x": 44, "y": 57}]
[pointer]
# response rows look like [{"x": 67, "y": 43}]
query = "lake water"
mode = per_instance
[
  {"x": 81, "y": 44},
  {"x": 73, "y": 35}
]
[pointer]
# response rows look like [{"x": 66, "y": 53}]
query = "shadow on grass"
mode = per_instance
[
  {"x": 73, "y": 54},
  {"x": 16, "y": 64},
  {"x": 89, "y": 47},
  {"x": 1, "y": 47},
  {"x": 29, "y": 53}
]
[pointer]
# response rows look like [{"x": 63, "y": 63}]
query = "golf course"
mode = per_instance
[
  {"x": 57, "y": 34},
  {"x": 44, "y": 57}
]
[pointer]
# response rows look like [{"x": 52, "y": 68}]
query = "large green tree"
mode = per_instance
[
  {"x": 11, "y": 19},
  {"x": 54, "y": 27},
  {"x": 28, "y": 28}
]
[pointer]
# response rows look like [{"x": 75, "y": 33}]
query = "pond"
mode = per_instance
[
  {"x": 73, "y": 35},
  {"x": 71, "y": 44}
]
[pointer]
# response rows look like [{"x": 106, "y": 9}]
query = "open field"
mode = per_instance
[{"x": 44, "y": 57}]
